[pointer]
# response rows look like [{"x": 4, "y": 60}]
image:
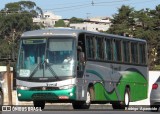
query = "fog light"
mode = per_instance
[
  {"x": 19, "y": 95},
  {"x": 71, "y": 94}
]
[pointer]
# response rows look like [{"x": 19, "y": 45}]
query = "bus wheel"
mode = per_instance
[
  {"x": 91, "y": 90},
  {"x": 124, "y": 104},
  {"x": 84, "y": 104},
  {"x": 39, "y": 104},
  {"x": 1, "y": 98},
  {"x": 126, "y": 98},
  {"x": 88, "y": 100}
]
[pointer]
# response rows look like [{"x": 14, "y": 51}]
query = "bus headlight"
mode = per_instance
[
  {"x": 22, "y": 87},
  {"x": 66, "y": 87}
]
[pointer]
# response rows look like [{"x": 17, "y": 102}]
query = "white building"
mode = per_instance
[
  {"x": 101, "y": 19},
  {"x": 93, "y": 24},
  {"x": 48, "y": 19}
]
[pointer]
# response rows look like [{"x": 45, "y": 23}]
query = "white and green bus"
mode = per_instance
[{"x": 82, "y": 68}]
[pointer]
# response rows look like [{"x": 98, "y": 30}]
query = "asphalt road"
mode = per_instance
[
  {"x": 67, "y": 109},
  {"x": 83, "y": 112}
]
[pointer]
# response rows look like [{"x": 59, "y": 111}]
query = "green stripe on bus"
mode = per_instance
[{"x": 137, "y": 83}]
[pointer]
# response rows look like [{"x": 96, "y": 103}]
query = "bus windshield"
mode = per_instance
[{"x": 46, "y": 58}]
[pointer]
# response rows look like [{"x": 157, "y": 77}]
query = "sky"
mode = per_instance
[{"x": 87, "y": 8}]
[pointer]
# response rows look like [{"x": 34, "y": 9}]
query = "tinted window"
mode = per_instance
[
  {"x": 134, "y": 52},
  {"x": 99, "y": 48},
  {"x": 117, "y": 50},
  {"x": 142, "y": 54},
  {"x": 126, "y": 52},
  {"x": 108, "y": 49},
  {"x": 90, "y": 49}
]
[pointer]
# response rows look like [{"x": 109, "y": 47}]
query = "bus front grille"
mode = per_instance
[
  {"x": 44, "y": 96},
  {"x": 43, "y": 88}
]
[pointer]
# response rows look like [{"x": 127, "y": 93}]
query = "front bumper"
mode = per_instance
[
  {"x": 155, "y": 97},
  {"x": 155, "y": 102},
  {"x": 29, "y": 95}
]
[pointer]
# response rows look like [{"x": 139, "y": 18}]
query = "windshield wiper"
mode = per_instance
[
  {"x": 52, "y": 71},
  {"x": 49, "y": 67},
  {"x": 35, "y": 70}
]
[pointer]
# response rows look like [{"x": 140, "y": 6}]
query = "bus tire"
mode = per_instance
[
  {"x": 154, "y": 106},
  {"x": 84, "y": 104},
  {"x": 1, "y": 98},
  {"x": 126, "y": 98},
  {"x": 78, "y": 105},
  {"x": 91, "y": 90},
  {"x": 124, "y": 104},
  {"x": 39, "y": 104},
  {"x": 116, "y": 105}
]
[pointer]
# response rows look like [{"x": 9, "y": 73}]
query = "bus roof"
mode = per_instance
[{"x": 71, "y": 32}]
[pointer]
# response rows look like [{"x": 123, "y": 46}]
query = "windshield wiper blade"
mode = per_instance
[
  {"x": 49, "y": 67},
  {"x": 52, "y": 71},
  {"x": 35, "y": 70}
]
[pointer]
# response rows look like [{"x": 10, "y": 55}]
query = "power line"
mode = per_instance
[
  {"x": 109, "y": 2},
  {"x": 78, "y": 6},
  {"x": 128, "y": 3},
  {"x": 67, "y": 3},
  {"x": 88, "y": 15},
  {"x": 91, "y": 4},
  {"x": 68, "y": 7},
  {"x": 58, "y": 9},
  {"x": 94, "y": 4}
]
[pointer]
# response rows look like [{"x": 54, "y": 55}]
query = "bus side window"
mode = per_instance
[
  {"x": 108, "y": 49},
  {"x": 89, "y": 49},
  {"x": 116, "y": 50},
  {"x": 126, "y": 52},
  {"x": 134, "y": 52},
  {"x": 99, "y": 48},
  {"x": 142, "y": 54}
]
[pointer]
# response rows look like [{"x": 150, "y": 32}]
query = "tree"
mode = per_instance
[
  {"x": 123, "y": 21},
  {"x": 23, "y": 7},
  {"x": 60, "y": 23},
  {"x": 142, "y": 24},
  {"x": 76, "y": 20},
  {"x": 16, "y": 18},
  {"x": 148, "y": 19}
]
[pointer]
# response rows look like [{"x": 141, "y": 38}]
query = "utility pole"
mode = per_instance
[
  {"x": 92, "y": 3},
  {"x": 13, "y": 45},
  {"x": 87, "y": 20},
  {"x": 9, "y": 83},
  {"x": 88, "y": 15}
]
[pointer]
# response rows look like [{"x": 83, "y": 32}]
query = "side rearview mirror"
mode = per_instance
[{"x": 81, "y": 57}]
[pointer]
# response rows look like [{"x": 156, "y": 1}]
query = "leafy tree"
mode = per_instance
[
  {"x": 76, "y": 20},
  {"x": 16, "y": 18},
  {"x": 123, "y": 21},
  {"x": 156, "y": 16},
  {"x": 144, "y": 24},
  {"x": 60, "y": 23},
  {"x": 23, "y": 7},
  {"x": 148, "y": 19}
]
